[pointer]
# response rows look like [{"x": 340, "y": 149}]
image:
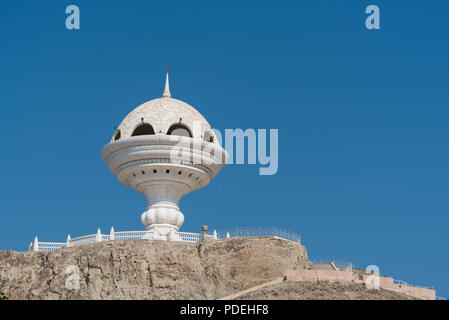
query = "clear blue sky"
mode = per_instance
[{"x": 362, "y": 118}]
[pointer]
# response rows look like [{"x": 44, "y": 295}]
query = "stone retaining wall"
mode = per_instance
[{"x": 338, "y": 275}]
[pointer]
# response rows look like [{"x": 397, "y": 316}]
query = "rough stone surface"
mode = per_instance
[
  {"x": 324, "y": 290},
  {"x": 162, "y": 113},
  {"x": 145, "y": 269}
]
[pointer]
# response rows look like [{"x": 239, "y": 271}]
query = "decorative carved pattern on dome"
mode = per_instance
[
  {"x": 162, "y": 160},
  {"x": 161, "y": 147},
  {"x": 161, "y": 114}
]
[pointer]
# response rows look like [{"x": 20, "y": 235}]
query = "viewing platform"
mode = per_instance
[{"x": 173, "y": 235}]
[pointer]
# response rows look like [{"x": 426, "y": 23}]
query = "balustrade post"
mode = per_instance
[
  {"x": 112, "y": 234},
  {"x": 215, "y": 234},
  {"x": 68, "y": 241},
  {"x": 98, "y": 237},
  {"x": 228, "y": 235},
  {"x": 156, "y": 233},
  {"x": 36, "y": 244},
  {"x": 171, "y": 235}
]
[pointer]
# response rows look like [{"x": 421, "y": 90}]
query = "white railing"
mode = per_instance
[
  {"x": 49, "y": 246},
  {"x": 189, "y": 236},
  {"x": 194, "y": 237},
  {"x": 122, "y": 235},
  {"x": 83, "y": 240},
  {"x": 126, "y": 235},
  {"x": 154, "y": 235}
]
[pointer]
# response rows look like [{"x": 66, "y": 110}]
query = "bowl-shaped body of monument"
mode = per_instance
[{"x": 164, "y": 149}]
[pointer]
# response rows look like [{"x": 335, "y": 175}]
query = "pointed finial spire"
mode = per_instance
[
  {"x": 36, "y": 244},
  {"x": 166, "y": 93},
  {"x": 112, "y": 234}
]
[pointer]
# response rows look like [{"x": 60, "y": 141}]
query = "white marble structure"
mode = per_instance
[{"x": 164, "y": 149}]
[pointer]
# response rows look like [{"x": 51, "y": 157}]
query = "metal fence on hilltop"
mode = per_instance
[
  {"x": 342, "y": 265},
  {"x": 259, "y": 232},
  {"x": 403, "y": 283}
]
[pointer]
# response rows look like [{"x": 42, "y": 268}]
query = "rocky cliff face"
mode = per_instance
[
  {"x": 145, "y": 269},
  {"x": 324, "y": 290}
]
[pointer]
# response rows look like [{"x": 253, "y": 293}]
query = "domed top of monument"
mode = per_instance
[{"x": 164, "y": 116}]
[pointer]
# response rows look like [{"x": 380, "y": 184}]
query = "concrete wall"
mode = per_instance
[
  {"x": 424, "y": 293},
  {"x": 338, "y": 275},
  {"x": 321, "y": 266},
  {"x": 384, "y": 282},
  {"x": 314, "y": 275}
]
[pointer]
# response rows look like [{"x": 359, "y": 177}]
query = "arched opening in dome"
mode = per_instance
[
  {"x": 117, "y": 135},
  {"x": 143, "y": 130},
  {"x": 179, "y": 130},
  {"x": 208, "y": 136}
]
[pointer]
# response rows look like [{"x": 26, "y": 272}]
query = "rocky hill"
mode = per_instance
[
  {"x": 324, "y": 290},
  {"x": 145, "y": 269}
]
